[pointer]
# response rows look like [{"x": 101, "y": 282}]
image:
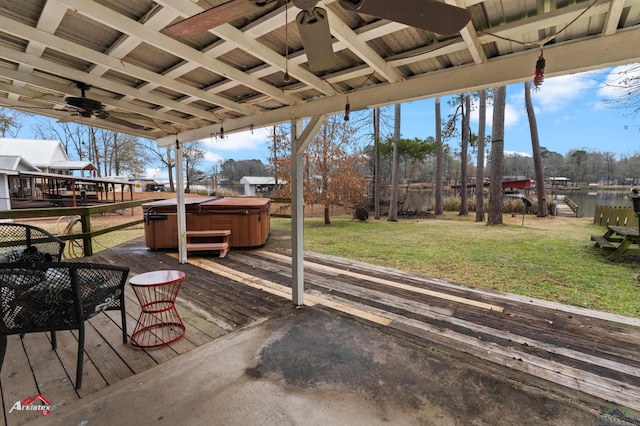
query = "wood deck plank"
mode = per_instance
[
  {"x": 92, "y": 380},
  {"x": 50, "y": 376},
  {"x": 584, "y": 345},
  {"x": 107, "y": 325},
  {"x": 18, "y": 382}
]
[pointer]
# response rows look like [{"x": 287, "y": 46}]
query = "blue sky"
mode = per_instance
[{"x": 570, "y": 111}]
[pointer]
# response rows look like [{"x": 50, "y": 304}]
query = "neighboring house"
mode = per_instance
[
  {"x": 257, "y": 184},
  {"x": 10, "y": 182},
  {"x": 21, "y": 158},
  {"x": 47, "y": 155}
]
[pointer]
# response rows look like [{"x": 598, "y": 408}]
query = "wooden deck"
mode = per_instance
[{"x": 595, "y": 353}]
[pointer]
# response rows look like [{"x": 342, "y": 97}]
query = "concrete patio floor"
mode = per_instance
[{"x": 315, "y": 366}]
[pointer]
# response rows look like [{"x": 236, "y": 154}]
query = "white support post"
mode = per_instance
[
  {"x": 299, "y": 142},
  {"x": 297, "y": 216},
  {"x": 181, "y": 211}
]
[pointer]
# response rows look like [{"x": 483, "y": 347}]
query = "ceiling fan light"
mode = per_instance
[{"x": 316, "y": 38}]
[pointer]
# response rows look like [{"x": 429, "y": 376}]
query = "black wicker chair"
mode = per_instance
[
  {"x": 49, "y": 296},
  {"x": 26, "y": 243}
]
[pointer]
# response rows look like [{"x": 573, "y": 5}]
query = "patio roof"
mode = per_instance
[{"x": 232, "y": 77}]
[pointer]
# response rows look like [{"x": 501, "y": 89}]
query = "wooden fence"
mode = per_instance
[
  {"x": 618, "y": 216},
  {"x": 85, "y": 215}
]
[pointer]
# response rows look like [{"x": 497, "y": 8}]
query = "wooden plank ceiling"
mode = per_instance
[{"x": 253, "y": 72}]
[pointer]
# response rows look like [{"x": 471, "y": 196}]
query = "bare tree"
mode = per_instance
[
  {"x": 482, "y": 118},
  {"x": 161, "y": 155},
  {"x": 627, "y": 85},
  {"x": 122, "y": 154},
  {"x": 281, "y": 160},
  {"x": 497, "y": 156},
  {"x": 192, "y": 154},
  {"x": 537, "y": 153},
  {"x": 74, "y": 137},
  {"x": 10, "y": 122},
  {"x": 335, "y": 166}
]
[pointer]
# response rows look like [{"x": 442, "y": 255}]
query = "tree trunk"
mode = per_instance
[
  {"x": 393, "y": 199},
  {"x": 325, "y": 174},
  {"x": 172, "y": 187},
  {"x": 439, "y": 161},
  {"x": 482, "y": 118},
  {"x": 187, "y": 169},
  {"x": 275, "y": 157},
  {"x": 537, "y": 154},
  {"x": 464, "y": 153},
  {"x": 376, "y": 163},
  {"x": 497, "y": 157}
]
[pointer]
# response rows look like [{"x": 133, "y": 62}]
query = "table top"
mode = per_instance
[{"x": 157, "y": 278}]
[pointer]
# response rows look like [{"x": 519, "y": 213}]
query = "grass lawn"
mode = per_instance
[{"x": 550, "y": 258}]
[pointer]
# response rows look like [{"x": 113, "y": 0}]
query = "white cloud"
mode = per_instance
[
  {"x": 516, "y": 154},
  {"x": 612, "y": 86},
  {"x": 213, "y": 157},
  {"x": 155, "y": 173},
  {"x": 557, "y": 92}
]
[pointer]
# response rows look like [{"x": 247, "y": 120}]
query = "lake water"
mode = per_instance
[{"x": 587, "y": 201}]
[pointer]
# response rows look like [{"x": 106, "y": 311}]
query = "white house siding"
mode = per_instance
[{"x": 5, "y": 202}]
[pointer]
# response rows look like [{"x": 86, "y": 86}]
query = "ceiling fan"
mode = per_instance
[
  {"x": 84, "y": 107},
  {"x": 313, "y": 24},
  {"x": 90, "y": 108}
]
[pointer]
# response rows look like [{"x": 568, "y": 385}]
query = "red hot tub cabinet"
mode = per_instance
[{"x": 247, "y": 218}]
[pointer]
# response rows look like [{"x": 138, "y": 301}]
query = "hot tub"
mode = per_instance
[{"x": 247, "y": 218}]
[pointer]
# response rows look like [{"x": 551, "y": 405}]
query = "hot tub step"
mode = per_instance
[
  {"x": 223, "y": 248},
  {"x": 202, "y": 240},
  {"x": 210, "y": 233}
]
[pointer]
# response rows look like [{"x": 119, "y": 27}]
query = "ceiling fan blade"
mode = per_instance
[
  {"x": 122, "y": 122},
  {"x": 143, "y": 120},
  {"x": 316, "y": 38},
  {"x": 222, "y": 14},
  {"x": 68, "y": 119},
  {"x": 94, "y": 121},
  {"x": 429, "y": 15}
]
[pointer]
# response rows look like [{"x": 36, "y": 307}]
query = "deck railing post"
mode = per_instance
[{"x": 85, "y": 220}]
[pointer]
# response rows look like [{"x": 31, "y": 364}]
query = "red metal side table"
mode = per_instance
[{"x": 159, "y": 323}]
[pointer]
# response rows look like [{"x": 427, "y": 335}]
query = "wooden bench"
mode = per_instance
[
  {"x": 202, "y": 241},
  {"x": 602, "y": 242}
]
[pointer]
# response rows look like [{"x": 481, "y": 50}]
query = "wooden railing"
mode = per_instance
[
  {"x": 85, "y": 219},
  {"x": 572, "y": 205},
  {"x": 617, "y": 216}
]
